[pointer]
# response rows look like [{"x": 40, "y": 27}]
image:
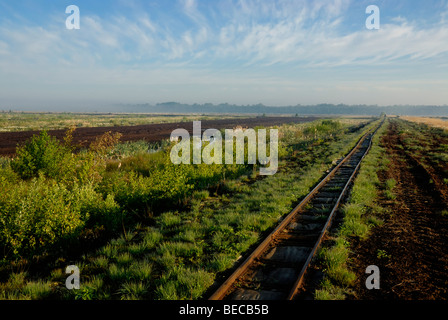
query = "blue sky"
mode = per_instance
[{"x": 283, "y": 52}]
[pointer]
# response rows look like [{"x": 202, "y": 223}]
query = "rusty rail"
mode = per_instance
[
  {"x": 300, "y": 279},
  {"x": 221, "y": 292}
]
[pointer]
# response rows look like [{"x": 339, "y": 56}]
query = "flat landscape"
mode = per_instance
[
  {"x": 208, "y": 157},
  {"x": 139, "y": 227},
  {"x": 152, "y": 132}
]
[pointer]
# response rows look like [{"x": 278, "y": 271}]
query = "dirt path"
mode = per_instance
[{"x": 410, "y": 248}]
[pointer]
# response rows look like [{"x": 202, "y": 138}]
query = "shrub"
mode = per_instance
[
  {"x": 322, "y": 128},
  {"x": 164, "y": 187},
  {"x": 88, "y": 169},
  {"x": 105, "y": 143},
  {"x": 35, "y": 215},
  {"x": 43, "y": 153},
  {"x": 126, "y": 149}
]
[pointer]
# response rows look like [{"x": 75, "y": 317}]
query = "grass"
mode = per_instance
[
  {"x": 183, "y": 283},
  {"x": 382, "y": 254},
  {"x": 18, "y": 288},
  {"x": 390, "y": 184},
  {"x": 354, "y": 224},
  {"x": 335, "y": 258},
  {"x": 329, "y": 291},
  {"x": 37, "y": 290},
  {"x": 133, "y": 290}
]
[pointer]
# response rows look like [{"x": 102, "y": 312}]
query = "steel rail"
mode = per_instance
[
  {"x": 327, "y": 225},
  {"x": 226, "y": 285}
]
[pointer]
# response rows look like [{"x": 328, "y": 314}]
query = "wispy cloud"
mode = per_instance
[
  {"x": 303, "y": 32},
  {"x": 231, "y": 44}
]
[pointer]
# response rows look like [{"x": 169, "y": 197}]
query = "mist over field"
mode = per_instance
[{"x": 320, "y": 109}]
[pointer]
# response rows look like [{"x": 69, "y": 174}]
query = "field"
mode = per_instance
[
  {"x": 23, "y": 121},
  {"x": 109, "y": 201},
  {"x": 139, "y": 129},
  {"x": 434, "y": 122}
]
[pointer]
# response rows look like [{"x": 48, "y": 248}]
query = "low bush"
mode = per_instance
[
  {"x": 43, "y": 154},
  {"x": 35, "y": 215}
]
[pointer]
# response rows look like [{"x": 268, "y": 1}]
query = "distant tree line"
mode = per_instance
[{"x": 324, "y": 109}]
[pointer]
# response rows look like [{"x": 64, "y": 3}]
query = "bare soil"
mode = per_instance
[
  {"x": 410, "y": 247},
  {"x": 150, "y": 132}
]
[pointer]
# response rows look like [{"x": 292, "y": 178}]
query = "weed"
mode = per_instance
[
  {"x": 390, "y": 183},
  {"x": 118, "y": 273},
  {"x": 105, "y": 143},
  {"x": 37, "y": 290},
  {"x": 382, "y": 254},
  {"x": 328, "y": 291},
  {"x": 141, "y": 270},
  {"x": 101, "y": 261},
  {"x": 85, "y": 293},
  {"x": 138, "y": 249},
  {"x": 389, "y": 195},
  {"x": 133, "y": 290},
  {"x": 184, "y": 283},
  {"x": 334, "y": 260},
  {"x": 124, "y": 259},
  {"x": 220, "y": 262},
  {"x": 152, "y": 237}
]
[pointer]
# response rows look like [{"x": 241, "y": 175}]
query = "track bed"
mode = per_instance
[{"x": 277, "y": 267}]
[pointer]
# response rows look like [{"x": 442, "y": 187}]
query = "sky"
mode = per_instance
[{"x": 277, "y": 53}]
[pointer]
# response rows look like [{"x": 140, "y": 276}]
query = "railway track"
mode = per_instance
[{"x": 276, "y": 269}]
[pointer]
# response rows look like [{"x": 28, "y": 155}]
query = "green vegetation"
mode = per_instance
[
  {"x": 42, "y": 154},
  {"x": 139, "y": 227},
  {"x": 382, "y": 254}
]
